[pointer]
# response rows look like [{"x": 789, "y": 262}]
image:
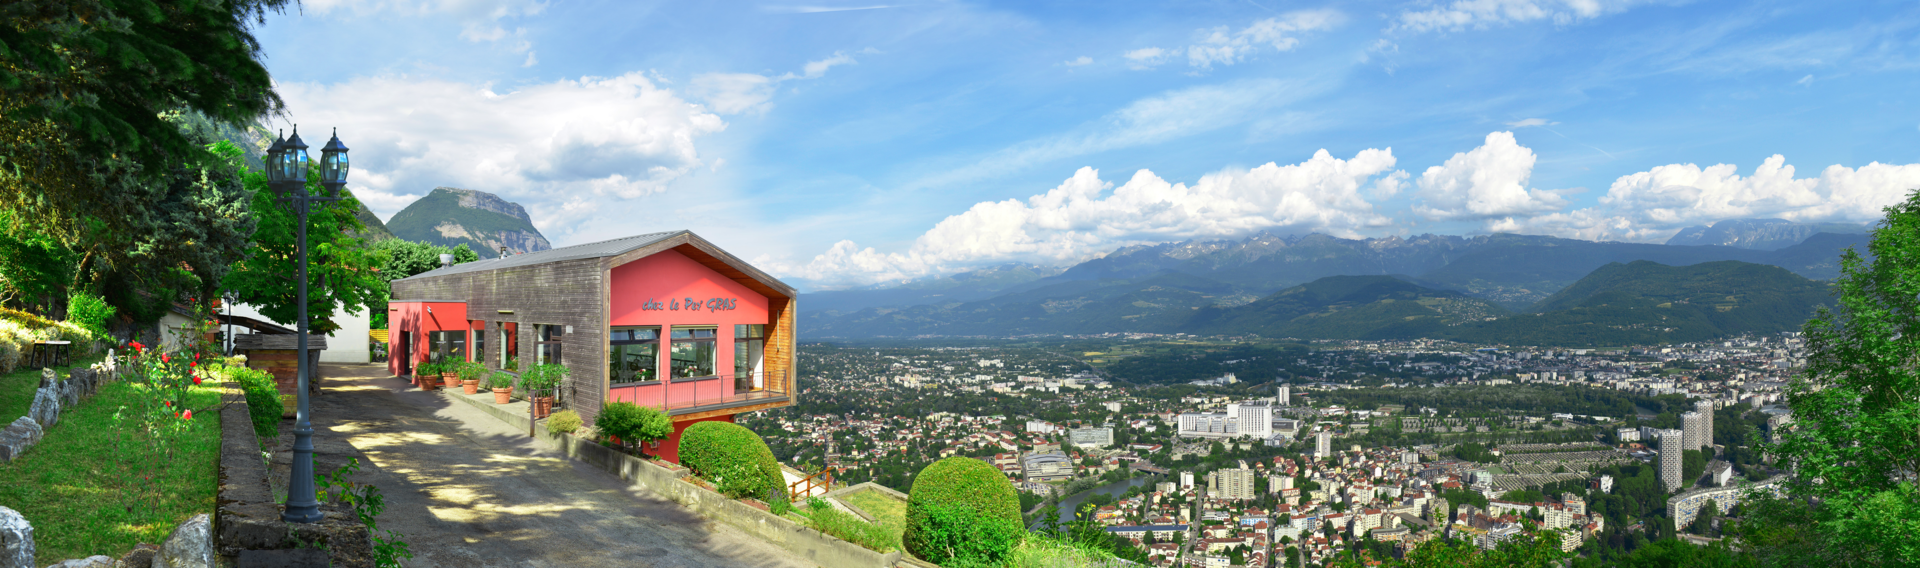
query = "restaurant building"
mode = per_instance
[{"x": 666, "y": 320}]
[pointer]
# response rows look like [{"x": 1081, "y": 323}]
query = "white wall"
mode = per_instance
[{"x": 345, "y": 345}]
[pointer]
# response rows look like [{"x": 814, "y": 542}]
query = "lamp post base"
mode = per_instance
[{"x": 302, "y": 504}]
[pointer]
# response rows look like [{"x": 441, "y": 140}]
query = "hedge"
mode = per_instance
[
  {"x": 19, "y": 330},
  {"x": 734, "y": 458},
  {"x": 633, "y": 423},
  {"x": 263, "y": 400},
  {"x": 962, "y": 511}
]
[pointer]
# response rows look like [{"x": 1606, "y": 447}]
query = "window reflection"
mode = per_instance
[
  {"x": 633, "y": 354},
  {"x": 693, "y": 352}
]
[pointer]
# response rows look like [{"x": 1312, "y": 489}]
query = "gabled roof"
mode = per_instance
[{"x": 626, "y": 249}]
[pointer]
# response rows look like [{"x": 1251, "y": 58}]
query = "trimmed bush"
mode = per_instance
[
  {"x": 263, "y": 401},
  {"x": 564, "y": 422},
  {"x": 89, "y": 312},
  {"x": 500, "y": 380},
  {"x": 633, "y": 423},
  {"x": 962, "y": 511},
  {"x": 734, "y": 458}
]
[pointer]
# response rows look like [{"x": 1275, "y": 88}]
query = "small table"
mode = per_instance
[{"x": 51, "y": 353}]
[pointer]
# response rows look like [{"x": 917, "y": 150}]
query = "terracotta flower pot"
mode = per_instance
[
  {"x": 429, "y": 382},
  {"x": 503, "y": 396},
  {"x": 471, "y": 387},
  {"x": 542, "y": 406}
]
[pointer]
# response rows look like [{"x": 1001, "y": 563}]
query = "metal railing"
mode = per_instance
[{"x": 688, "y": 393}]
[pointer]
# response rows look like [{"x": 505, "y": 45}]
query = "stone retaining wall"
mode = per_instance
[
  {"x": 667, "y": 480},
  {"x": 54, "y": 396},
  {"x": 248, "y": 518}
]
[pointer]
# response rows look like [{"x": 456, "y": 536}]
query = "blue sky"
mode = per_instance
[{"x": 848, "y": 143}]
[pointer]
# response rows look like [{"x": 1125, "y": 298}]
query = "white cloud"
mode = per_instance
[
  {"x": 1526, "y": 122},
  {"x": 1148, "y": 57},
  {"x": 735, "y": 93},
  {"x": 1078, "y": 61},
  {"x": 1485, "y": 183},
  {"x": 1652, "y": 205},
  {"x": 1081, "y": 218},
  {"x": 1223, "y": 46},
  {"x": 479, "y": 19},
  {"x": 586, "y": 139},
  {"x": 1482, "y": 14},
  {"x": 531, "y": 60},
  {"x": 1804, "y": 81},
  {"x": 1280, "y": 33}
]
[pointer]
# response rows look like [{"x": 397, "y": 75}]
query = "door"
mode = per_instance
[{"x": 404, "y": 350}]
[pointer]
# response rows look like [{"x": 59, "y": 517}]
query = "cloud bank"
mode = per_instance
[
  {"x": 1482, "y": 14},
  {"x": 1486, "y": 188},
  {"x": 592, "y": 138},
  {"x": 1225, "y": 46}
]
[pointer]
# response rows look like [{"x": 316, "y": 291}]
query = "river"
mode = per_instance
[{"x": 1116, "y": 489}]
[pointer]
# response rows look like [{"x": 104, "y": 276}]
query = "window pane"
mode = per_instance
[
  {"x": 632, "y": 363},
  {"x": 692, "y": 358},
  {"x": 747, "y": 355}
]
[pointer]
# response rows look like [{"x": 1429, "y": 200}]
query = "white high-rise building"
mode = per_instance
[
  {"x": 1254, "y": 418},
  {"x": 1690, "y": 424},
  {"x": 1705, "y": 408},
  {"x": 1671, "y": 442},
  {"x": 1186, "y": 480},
  {"x": 1323, "y": 443},
  {"x": 1285, "y": 396},
  {"x": 1230, "y": 484}
]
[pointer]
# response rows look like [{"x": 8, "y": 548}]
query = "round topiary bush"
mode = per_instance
[
  {"x": 962, "y": 511},
  {"x": 564, "y": 422},
  {"x": 734, "y": 458}
]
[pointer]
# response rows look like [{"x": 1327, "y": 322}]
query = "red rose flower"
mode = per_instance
[
  {"x": 188, "y": 415},
  {"x": 165, "y": 359},
  {"x": 196, "y": 380}
]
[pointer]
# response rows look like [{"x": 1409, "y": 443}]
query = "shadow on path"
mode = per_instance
[{"x": 465, "y": 490}]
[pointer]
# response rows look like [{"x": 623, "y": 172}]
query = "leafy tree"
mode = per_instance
[
  {"x": 401, "y": 258},
  {"x": 1703, "y": 520},
  {"x": 1854, "y": 446},
  {"x": 84, "y": 86},
  {"x": 34, "y": 266},
  {"x": 1692, "y": 464},
  {"x": 341, "y": 269}
]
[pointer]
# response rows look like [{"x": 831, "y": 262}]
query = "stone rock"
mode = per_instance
[
  {"x": 48, "y": 376},
  {"x": 88, "y": 562},
  {"x": 190, "y": 546},
  {"x": 82, "y": 380},
  {"x": 16, "y": 540},
  {"x": 140, "y": 557},
  {"x": 69, "y": 393},
  {"x": 45, "y": 409},
  {"x": 284, "y": 558},
  {"x": 19, "y": 436}
]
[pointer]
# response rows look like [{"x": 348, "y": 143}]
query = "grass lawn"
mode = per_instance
[
  {"x": 17, "y": 387},
  {"x": 885, "y": 509},
  {"x": 89, "y": 490}
]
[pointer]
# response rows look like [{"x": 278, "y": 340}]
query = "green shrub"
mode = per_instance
[
  {"x": 90, "y": 312},
  {"x": 500, "y": 380},
  {"x": 564, "y": 422},
  {"x": 263, "y": 401},
  {"x": 633, "y": 423},
  {"x": 471, "y": 370},
  {"x": 821, "y": 516},
  {"x": 962, "y": 511},
  {"x": 734, "y": 458},
  {"x": 427, "y": 369}
]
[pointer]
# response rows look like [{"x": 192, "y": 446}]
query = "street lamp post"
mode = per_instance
[{"x": 287, "y": 175}]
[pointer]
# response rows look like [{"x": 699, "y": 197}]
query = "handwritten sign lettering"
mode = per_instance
[{"x": 691, "y": 304}]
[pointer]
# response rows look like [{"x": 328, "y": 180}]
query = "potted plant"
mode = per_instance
[
  {"x": 428, "y": 375},
  {"x": 502, "y": 385},
  {"x": 470, "y": 373},
  {"x": 450, "y": 372},
  {"x": 540, "y": 382}
]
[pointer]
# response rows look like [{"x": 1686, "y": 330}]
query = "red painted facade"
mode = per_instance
[
  {"x": 670, "y": 283},
  {"x": 415, "y": 319}
]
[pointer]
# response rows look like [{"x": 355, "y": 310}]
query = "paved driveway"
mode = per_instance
[{"x": 467, "y": 491}]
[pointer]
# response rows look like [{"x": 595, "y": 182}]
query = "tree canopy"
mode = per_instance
[
  {"x": 341, "y": 269},
  {"x": 1854, "y": 444}
]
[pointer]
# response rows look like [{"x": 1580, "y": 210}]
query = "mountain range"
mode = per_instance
[
  {"x": 483, "y": 221},
  {"x": 1309, "y": 286}
]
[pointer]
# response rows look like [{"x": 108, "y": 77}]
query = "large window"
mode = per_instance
[
  {"x": 633, "y": 355},
  {"x": 445, "y": 346},
  {"x": 547, "y": 343},
  {"x": 693, "y": 352},
  {"x": 479, "y": 341},
  {"x": 749, "y": 345}
]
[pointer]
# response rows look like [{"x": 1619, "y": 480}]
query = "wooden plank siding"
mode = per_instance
[{"x": 578, "y": 293}]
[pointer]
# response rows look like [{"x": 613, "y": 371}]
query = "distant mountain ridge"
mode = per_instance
[
  {"x": 1200, "y": 286},
  {"x": 483, "y": 221},
  {"x": 1759, "y": 234}
]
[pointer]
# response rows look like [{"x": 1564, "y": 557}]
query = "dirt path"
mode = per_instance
[{"x": 467, "y": 491}]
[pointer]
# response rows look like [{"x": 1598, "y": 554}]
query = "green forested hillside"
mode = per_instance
[
  {"x": 1645, "y": 302},
  {"x": 1347, "y": 307}
]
